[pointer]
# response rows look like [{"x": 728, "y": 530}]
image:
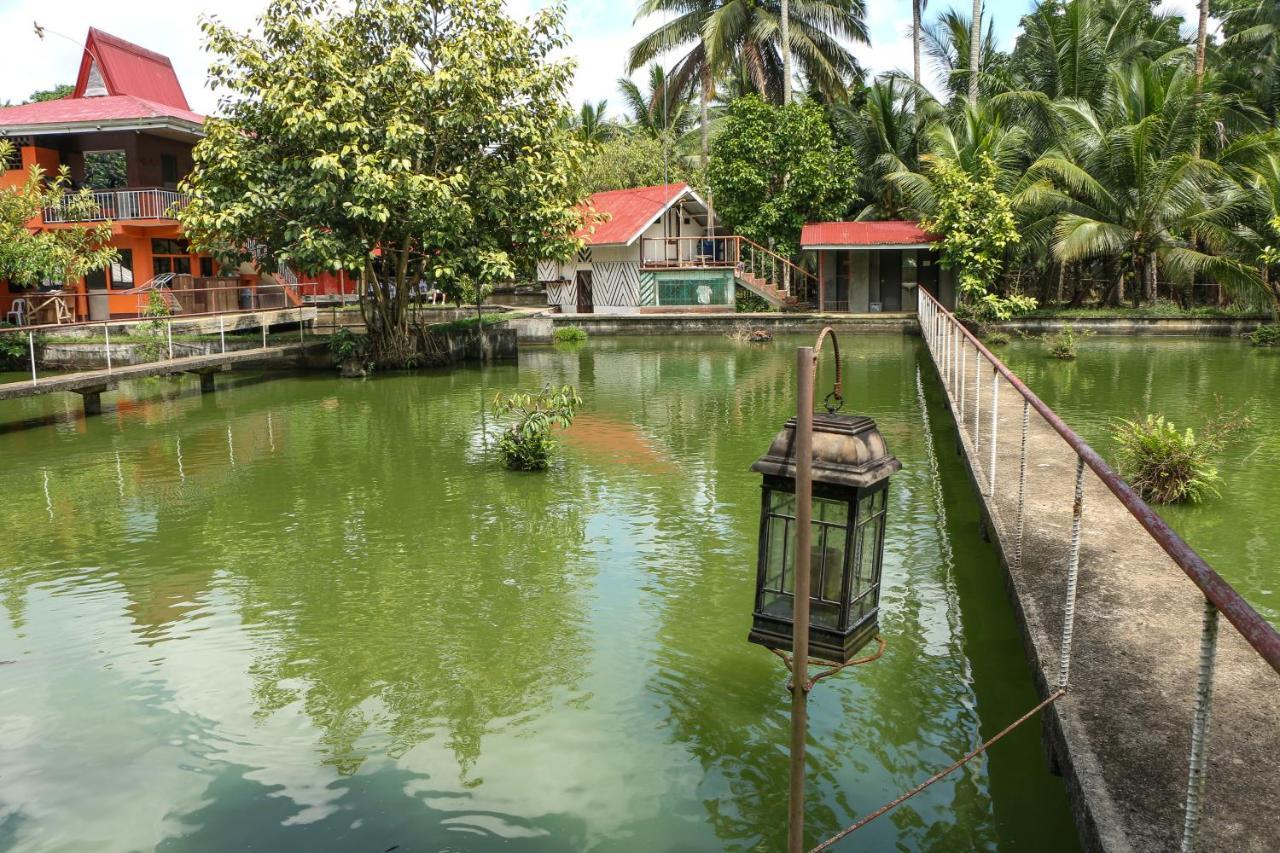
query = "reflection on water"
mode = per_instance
[
  {"x": 315, "y": 614},
  {"x": 1189, "y": 380}
]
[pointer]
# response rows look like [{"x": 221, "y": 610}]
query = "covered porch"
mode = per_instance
[{"x": 874, "y": 267}]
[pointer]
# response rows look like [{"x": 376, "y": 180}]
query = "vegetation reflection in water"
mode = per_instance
[
  {"x": 1189, "y": 380},
  {"x": 315, "y": 613}
]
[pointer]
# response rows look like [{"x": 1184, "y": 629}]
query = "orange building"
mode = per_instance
[{"x": 126, "y": 132}]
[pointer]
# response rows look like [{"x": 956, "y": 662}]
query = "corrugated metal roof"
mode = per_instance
[
  {"x": 891, "y": 233},
  {"x": 109, "y": 108},
  {"x": 128, "y": 69},
  {"x": 628, "y": 212}
]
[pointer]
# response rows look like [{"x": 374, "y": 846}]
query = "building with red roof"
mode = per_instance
[
  {"x": 660, "y": 249},
  {"x": 875, "y": 266},
  {"x": 126, "y": 132}
]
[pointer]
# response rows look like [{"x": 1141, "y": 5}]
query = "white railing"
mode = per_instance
[{"x": 118, "y": 205}]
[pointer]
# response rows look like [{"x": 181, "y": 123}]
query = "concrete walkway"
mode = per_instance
[{"x": 1121, "y": 736}]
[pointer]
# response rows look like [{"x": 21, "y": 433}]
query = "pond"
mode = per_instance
[
  {"x": 1190, "y": 381},
  {"x": 309, "y": 613}
]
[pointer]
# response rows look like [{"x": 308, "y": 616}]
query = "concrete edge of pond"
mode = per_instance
[
  {"x": 1215, "y": 327},
  {"x": 1121, "y": 736}
]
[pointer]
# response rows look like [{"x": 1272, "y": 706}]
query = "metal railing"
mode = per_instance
[
  {"x": 118, "y": 206},
  {"x": 747, "y": 259},
  {"x": 152, "y": 338},
  {"x": 958, "y": 354}
]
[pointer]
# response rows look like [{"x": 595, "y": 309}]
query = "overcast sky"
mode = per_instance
[{"x": 602, "y": 32}]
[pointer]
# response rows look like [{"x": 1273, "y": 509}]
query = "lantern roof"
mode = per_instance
[{"x": 848, "y": 450}]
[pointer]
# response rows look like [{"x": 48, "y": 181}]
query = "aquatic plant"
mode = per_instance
[
  {"x": 1167, "y": 465},
  {"x": 1062, "y": 344},
  {"x": 995, "y": 338},
  {"x": 1265, "y": 336},
  {"x": 569, "y": 335},
  {"x": 527, "y": 442}
]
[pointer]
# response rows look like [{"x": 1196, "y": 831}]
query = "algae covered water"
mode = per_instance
[
  {"x": 312, "y": 613},
  {"x": 1189, "y": 381}
]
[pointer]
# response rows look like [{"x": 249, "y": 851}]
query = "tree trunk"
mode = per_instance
[
  {"x": 705, "y": 117},
  {"x": 1152, "y": 269},
  {"x": 1202, "y": 38},
  {"x": 915, "y": 37},
  {"x": 975, "y": 51},
  {"x": 786, "y": 51}
]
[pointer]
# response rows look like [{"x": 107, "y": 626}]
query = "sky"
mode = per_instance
[{"x": 602, "y": 31}]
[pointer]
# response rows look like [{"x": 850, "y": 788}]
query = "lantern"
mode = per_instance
[{"x": 851, "y": 470}]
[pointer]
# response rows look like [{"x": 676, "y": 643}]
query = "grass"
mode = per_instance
[
  {"x": 569, "y": 335},
  {"x": 464, "y": 323},
  {"x": 1162, "y": 309}
]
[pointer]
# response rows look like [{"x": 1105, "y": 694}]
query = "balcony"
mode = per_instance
[{"x": 118, "y": 206}]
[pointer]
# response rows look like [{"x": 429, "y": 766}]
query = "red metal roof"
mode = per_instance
[
  {"x": 128, "y": 69},
  {"x": 109, "y": 108},
  {"x": 892, "y": 233},
  {"x": 141, "y": 85},
  {"x": 629, "y": 212}
]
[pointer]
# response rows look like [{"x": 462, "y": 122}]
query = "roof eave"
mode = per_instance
[
  {"x": 174, "y": 125},
  {"x": 868, "y": 246},
  {"x": 688, "y": 191}
]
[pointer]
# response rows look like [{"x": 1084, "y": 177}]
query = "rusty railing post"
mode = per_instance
[
  {"x": 1200, "y": 729},
  {"x": 800, "y": 602}
]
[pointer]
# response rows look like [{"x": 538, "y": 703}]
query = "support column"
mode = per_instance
[
  {"x": 206, "y": 383},
  {"x": 92, "y": 399}
]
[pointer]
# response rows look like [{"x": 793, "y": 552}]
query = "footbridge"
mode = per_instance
[
  {"x": 223, "y": 354},
  {"x": 1160, "y": 681}
]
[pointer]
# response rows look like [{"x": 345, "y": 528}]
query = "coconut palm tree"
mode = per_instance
[
  {"x": 1136, "y": 192},
  {"x": 716, "y": 33},
  {"x": 590, "y": 124},
  {"x": 886, "y": 132},
  {"x": 975, "y": 51},
  {"x": 917, "y": 16},
  {"x": 661, "y": 111},
  {"x": 947, "y": 42},
  {"x": 1250, "y": 53}
]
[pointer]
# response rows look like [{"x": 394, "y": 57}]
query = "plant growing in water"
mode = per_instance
[
  {"x": 350, "y": 351},
  {"x": 1063, "y": 344},
  {"x": 1168, "y": 465},
  {"x": 151, "y": 337},
  {"x": 569, "y": 335},
  {"x": 1265, "y": 336},
  {"x": 527, "y": 441}
]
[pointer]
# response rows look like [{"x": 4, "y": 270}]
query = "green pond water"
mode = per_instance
[
  {"x": 1188, "y": 380},
  {"x": 314, "y": 614}
]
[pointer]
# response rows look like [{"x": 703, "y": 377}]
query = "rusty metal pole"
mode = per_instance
[{"x": 800, "y": 614}]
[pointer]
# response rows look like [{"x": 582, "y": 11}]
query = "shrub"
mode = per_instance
[
  {"x": 527, "y": 441},
  {"x": 1168, "y": 465},
  {"x": 1063, "y": 344},
  {"x": 996, "y": 339},
  {"x": 1265, "y": 336},
  {"x": 351, "y": 352},
  {"x": 152, "y": 336},
  {"x": 569, "y": 335},
  {"x": 746, "y": 302}
]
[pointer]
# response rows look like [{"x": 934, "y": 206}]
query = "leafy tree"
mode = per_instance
[
  {"x": 976, "y": 223},
  {"x": 61, "y": 254},
  {"x": 775, "y": 168},
  {"x": 409, "y": 140},
  {"x": 62, "y": 90},
  {"x": 635, "y": 160}
]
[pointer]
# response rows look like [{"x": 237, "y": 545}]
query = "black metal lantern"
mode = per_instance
[{"x": 850, "y": 475}]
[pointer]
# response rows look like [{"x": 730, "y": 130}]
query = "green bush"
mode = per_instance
[
  {"x": 527, "y": 441},
  {"x": 1265, "y": 336},
  {"x": 996, "y": 339},
  {"x": 1168, "y": 465},
  {"x": 746, "y": 302},
  {"x": 569, "y": 335},
  {"x": 151, "y": 338}
]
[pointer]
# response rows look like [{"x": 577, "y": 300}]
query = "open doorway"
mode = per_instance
[{"x": 586, "y": 303}]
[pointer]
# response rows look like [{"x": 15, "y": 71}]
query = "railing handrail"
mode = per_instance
[
  {"x": 1257, "y": 631},
  {"x": 803, "y": 272},
  {"x": 739, "y": 239},
  {"x": 56, "y": 212}
]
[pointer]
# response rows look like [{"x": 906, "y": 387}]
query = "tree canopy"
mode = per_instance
[{"x": 412, "y": 141}]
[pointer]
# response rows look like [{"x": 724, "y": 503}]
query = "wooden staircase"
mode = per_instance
[
  {"x": 775, "y": 296},
  {"x": 772, "y": 277}
]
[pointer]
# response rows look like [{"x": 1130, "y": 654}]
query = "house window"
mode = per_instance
[
  {"x": 122, "y": 271},
  {"x": 170, "y": 256},
  {"x": 206, "y": 267},
  {"x": 168, "y": 170}
]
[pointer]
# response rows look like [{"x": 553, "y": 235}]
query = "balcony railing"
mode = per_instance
[{"x": 118, "y": 206}]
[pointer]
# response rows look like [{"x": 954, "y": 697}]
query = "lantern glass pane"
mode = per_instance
[
  {"x": 782, "y": 503},
  {"x": 865, "y": 594},
  {"x": 779, "y": 552}
]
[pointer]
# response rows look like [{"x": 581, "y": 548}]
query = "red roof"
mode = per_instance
[
  {"x": 128, "y": 69},
  {"x": 892, "y": 233},
  {"x": 629, "y": 212},
  {"x": 111, "y": 107},
  {"x": 141, "y": 84}
]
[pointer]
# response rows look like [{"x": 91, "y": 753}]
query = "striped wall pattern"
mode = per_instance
[
  {"x": 584, "y": 255},
  {"x": 562, "y": 293},
  {"x": 548, "y": 270},
  {"x": 648, "y": 288},
  {"x": 616, "y": 283}
]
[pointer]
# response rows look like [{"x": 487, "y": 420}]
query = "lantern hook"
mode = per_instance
[{"x": 834, "y": 401}]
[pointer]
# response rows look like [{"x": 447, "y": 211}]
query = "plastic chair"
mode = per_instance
[{"x": 18, "y": 313}]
